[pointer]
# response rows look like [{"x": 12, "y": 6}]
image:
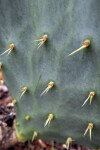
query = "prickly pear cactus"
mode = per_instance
[{"x": 55, "y": 84}]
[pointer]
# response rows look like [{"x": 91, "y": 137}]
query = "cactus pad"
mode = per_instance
[{"x": 48, "y": 86}]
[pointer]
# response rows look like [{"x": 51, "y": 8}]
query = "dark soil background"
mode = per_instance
[{"x": 8, "y": 138}]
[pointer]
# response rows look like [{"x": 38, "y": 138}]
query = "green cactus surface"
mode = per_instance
[{"x": 49, "y": 86}]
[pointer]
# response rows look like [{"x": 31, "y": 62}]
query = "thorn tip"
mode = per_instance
[
  {"x": 24, "y": 89},
  {"x": 42, "y": 40},
  {"x": 89, "y": 127},
  {"x": 34, "y": 135},
  {"x": 90, "y": 96},
  {"x": 50, "y": 85},
  {"x": 68, "y": 142},
  {"x": 86, "y": 43},
  {"x": 50, "y": 117},
  {"x": 11, "y": 47}
]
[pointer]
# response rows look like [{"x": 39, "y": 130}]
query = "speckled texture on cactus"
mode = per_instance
[{"x": 49, "y": 86}]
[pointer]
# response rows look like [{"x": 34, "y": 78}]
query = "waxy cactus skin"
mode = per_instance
[{"x": 67, "y": 24}]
